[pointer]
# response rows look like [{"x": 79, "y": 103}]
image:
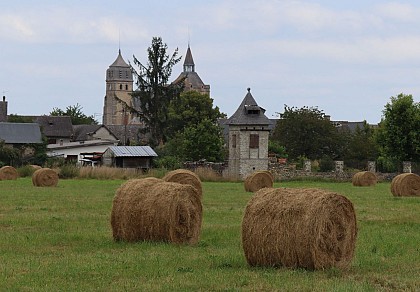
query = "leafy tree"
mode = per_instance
[
  {"x": 190, "y": 109},
  {"x": 307, "y": 132},
  {"x": 76, "y": 114},
  {"x": 15, "y": 118},
  {"x": 398, "y": 134},
  {"x": 153, "y": 91},
  {"x": 8, "y": 155},
  {"x": 203, "y": 141},
  {"x": 361, "y": 147}
]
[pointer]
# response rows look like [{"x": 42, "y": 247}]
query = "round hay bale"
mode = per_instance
[
  {"x": 406, "y": 184},
  {"x": 8, "y": 173},
  {"x": 364, "y": 179},
  {"x": 36, "y": 167},
  {"x": 184, "y": 176},
  {"x": 45, "y": 177},
  {"x": 150, "y": 210},
  {"x": 258, "y": 180},
  {"x": 299, "y": 228}
]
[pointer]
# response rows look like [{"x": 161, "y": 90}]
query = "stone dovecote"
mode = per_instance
[{"x": 248, "y": 138}]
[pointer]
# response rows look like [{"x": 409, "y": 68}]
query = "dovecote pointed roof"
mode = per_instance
[
  {"x": 249, "y": 113},
  {"x": 119, "y": 62},
  {"x": 188, "y": 58}
]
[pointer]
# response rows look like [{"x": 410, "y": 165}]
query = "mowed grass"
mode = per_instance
[{"x": 60, "y": 239}]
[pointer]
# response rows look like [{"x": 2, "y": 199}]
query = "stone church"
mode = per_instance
[{"x": 119, "y": 87}]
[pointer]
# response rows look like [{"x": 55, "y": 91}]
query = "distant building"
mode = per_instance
[
  {"x": 248, "y": 138},
  {"x": 191, "y": 79},
  {"x": 56, "y": 128},
  {"x": 139, "y": 157},
  {"x": 119, "y": 87}
]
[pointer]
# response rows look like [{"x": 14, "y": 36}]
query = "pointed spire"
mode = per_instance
[{"x": 189, "y": 62}]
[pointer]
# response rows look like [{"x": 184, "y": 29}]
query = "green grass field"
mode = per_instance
[{"x": 60, "y": 239}]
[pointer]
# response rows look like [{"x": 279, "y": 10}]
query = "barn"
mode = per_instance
[{"x": 129, "y": 157}]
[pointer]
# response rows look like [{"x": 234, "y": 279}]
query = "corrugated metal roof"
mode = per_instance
[
  {"x": 20, "y": 133},
  {"x": 131, "y": 151}
]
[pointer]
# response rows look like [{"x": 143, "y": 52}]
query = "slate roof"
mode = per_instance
[
  {"x": 55, "y": 126},
  {"x": 249, "y": 113},
  {"x": 188, "y": 58},
  {"x": 84, "y": 132},
  {"x": 131, "y": 132},
  {"x": 119, "y": 62},
  {"x": 20, "y": 133},
  {"x": 132, "y": 151},
  {"x": 191, "y": 78}
]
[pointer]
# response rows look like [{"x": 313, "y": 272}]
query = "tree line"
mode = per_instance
[{"x": 183, "y": 125}]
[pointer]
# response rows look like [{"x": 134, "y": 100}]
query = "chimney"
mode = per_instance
[{"x": 3, "y": 110}]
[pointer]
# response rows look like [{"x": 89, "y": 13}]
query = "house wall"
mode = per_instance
[
  {"x": 103, "y": 134},
  {"x": 244, "y": 160},
  {"x": 76, "y": 151}
]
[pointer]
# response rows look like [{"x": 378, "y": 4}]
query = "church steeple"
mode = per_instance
[{"x": 189, "y": 62}]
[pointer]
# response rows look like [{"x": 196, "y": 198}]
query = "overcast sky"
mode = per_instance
[{"x": 347, "y": 59}]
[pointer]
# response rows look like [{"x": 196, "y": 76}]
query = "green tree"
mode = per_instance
[
  {"x": 153, "y": 91},
  {"x": 361, "y": 147},
  {"x": 8, "y": 155},
  {"x": 76, "y": 114},
  {"x": 398, "y": 134},
  {"x": 190, "y": 109},
  {"x": 15, "y": 118},
  {"x": 203, "y": 141},
  {"x": 307, "y": 132}
]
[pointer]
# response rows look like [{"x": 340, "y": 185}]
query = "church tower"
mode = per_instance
[
  {"x": 192, "y": 81},
  {"x": 119, "y": 86},
  {"x": 248, "y": 138}
]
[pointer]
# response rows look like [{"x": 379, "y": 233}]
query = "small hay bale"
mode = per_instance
[
  {"x": 406, "y": 184},
  {"x": 299, "y": 228},
  {"x": 45, "y": 177},
  {"x": 155, "y": 210},
  {"x": 364, "y": 179},
  {"x": 8, "y": 173},
  {"x": 258, "y": 180},
  {"x": 184, "y": 176}
]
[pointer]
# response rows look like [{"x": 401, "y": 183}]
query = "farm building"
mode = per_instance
[
  {"x": 75, "y": 151},
  {"x": 129, "y": 156}
]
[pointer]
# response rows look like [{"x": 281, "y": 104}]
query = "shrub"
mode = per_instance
[
  {"x": 68, "y": 171},
  {"x": 326, "y": 164},
  {"x": 25, "y": 171}
]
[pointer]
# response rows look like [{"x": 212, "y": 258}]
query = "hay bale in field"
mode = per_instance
[
  {"x": 364, "y": 179},
  {"x": 36, "y": 167},
  {"x": 258, "y": 180},
  {"x": 155, "y": 210},
  {"x": 406, "y": 184},
  {"x": 299, "y": 228},
  {"x": 45, "y": 177},
  {"x": 184, "y": 176},
  {"x": 8, "y": 173}
]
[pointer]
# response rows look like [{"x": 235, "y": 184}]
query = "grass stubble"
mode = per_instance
[{"x": 60, "y": 239}]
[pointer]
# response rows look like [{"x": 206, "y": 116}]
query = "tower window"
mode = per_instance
[
  {"x": 120, "y": 73},
  {"x": 126, "y": 87},
  {"x": 254, "y": 141},
  {"x": 234, "y": 141},
  {"x": 120, "y": 86},
  {"x": 126, "y": 74}
]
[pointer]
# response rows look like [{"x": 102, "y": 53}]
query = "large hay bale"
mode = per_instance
[
  {"x": 184, "y": 176},
  {"x": 258, "y": 180},
  {"x": 8, "y": 173},
  {"x": 406, "y": 184},
  {"x": 364, "y": 179},
  {"x": 45, "y": 177},
  {"x": 154, "y": 210},
  {"x": 299, "y": 228},
  {"x": 36, "y": 167}
]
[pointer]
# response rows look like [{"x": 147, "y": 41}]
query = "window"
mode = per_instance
[
  {"x": 234, "y": 141},
  {"x": 254, "y": 141},
  {"x": 120, "y": 86},
  {"x": 120, "y": 74},
  {"x": 126, "y": 87}
]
